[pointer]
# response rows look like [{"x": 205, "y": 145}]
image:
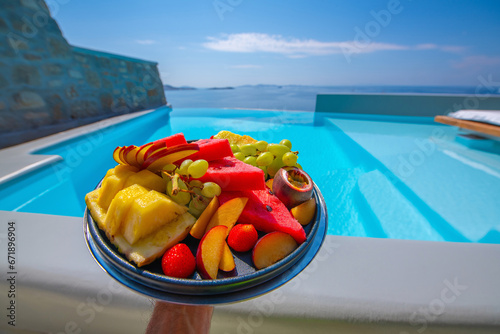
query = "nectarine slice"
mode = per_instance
[
  {"x": 130, "y": 156},
  {"x": 153, "y": 149},
  {"x": 116, "y": 155},
  {"x": 271, "y": 248},
  {"x": 122, "y": 154},
  {"x": 141, "y": 153},
  {"x": 199, "y": 228},
  {"x": 210, "y": 251},
  {"x": 227, "y": 260},
  {"x": 228, "y": 213},
  {"x": 165, "y": 156},
  {"x": 304, "y": 213}
]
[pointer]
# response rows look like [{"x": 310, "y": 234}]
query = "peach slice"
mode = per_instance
[
  {"x": 304, "y": 213},
  {"x": 122, "y": 154},
  {"x": 153, "y": 148},
  {"x": 139, "y": 156},
  {"x": 199, "y": 228},
  {"x": 210, "y": 250},
  {"x": 165, "y": 156},
  {"x": 228, "y": 213},
  {"x": 227, "y": 260},
  {"x": 116, "y": 155},
  {"x": 269, "y": 183},
  {"x": 130, "y": 156},
  {"x": 271, "y": 248}
]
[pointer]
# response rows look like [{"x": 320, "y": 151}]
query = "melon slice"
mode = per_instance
[
  {"x": 212, "y": 149},
  {"x": 232, "y": 174},
  {"x": 266, "y": 213}
]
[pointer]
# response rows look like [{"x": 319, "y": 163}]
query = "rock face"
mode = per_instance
[{"x": 45, "y": 82}]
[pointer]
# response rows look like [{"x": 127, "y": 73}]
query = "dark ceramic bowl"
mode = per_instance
[{"x": 242, "y": 283}]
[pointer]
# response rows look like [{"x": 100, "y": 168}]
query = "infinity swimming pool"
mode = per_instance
[{"x": 384, "y": 177}]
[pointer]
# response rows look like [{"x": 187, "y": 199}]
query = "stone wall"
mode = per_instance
[{"x": 47, "y": 85}]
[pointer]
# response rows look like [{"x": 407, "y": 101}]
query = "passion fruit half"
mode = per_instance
[{"x": 292, "y": 186}]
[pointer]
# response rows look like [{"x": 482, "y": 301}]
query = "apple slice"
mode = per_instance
[
  {"x": 210, "y": 250},
  {"x": 141, "y": 152},
  {"x": 122, "y": 154},
  {"x": 199, "y": 228},
  {"x": 165, "y": 156},
  {"x": 153, "y": 148},
  {"x": 228, "y": 213},
  {"x": 271, "y": 248},
  {"x": 130, "y": 155},
  {"x": 116, "y": 155},
  {"x": 227, "y": 260}
]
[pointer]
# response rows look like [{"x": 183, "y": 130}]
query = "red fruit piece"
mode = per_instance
[
  {"x": 212, "y": 149},
  {"x": 242, "y": 237},
  {"x": 232, "y": 175},
  {"x": 266, "y": 213},
  {"x": 178, "y": 261},
  {"x": 173, "y": 140}
]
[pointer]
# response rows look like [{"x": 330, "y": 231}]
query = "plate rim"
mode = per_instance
[
  {"x": 220, "y": 298},
  {"x": 202, "y": 286}
]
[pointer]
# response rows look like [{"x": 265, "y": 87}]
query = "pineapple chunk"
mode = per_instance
[
  {"x": 96, "y": 211},
  {"x": 119, "y": 208},
  {"x": 120, "y": 168},
  {"x": 111, "y": 186},
  {"x": 234, "y": 138},
  {"x": 148, "y": 213},
  {"x": 147, "y": 179},
  {"x": 154, "y": 245}
]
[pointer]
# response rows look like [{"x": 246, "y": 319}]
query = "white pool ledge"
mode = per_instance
[
  {"x": 18, "y": 160},
  {"x": 353, "y": 284}
]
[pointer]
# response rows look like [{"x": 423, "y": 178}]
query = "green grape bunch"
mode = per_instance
[
  {"x": 183, "y": 188},
  {"x": 268, "y": 157}
]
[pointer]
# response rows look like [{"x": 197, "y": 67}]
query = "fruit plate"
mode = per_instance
[{"x": 244, "y": 282}]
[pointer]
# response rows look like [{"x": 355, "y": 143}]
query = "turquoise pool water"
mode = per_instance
[{"x": 385, "y": 177}]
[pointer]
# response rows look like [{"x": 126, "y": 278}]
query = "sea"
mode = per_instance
[{"x": 292, "y": 97}]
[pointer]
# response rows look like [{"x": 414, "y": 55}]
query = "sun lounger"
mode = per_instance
[{"x": 482, "y": 122}]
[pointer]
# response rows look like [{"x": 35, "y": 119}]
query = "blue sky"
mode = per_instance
[{"x": 205, "y": 43}]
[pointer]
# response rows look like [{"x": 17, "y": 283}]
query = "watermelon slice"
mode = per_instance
[
  {"x": 266, "y": 213},
  {"x": 232, "y": 174},
  {"x": 170, "y": 141},
  {"x": 212, "y": 149}
]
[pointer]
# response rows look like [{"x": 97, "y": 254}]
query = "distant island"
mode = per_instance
[
  {"x": 168, "y": 87},
  {"x": 218, "y": 88}
]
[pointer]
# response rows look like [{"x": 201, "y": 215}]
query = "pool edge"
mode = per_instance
[
  {"x": 20, "y": 159},
  {"x": 366, "y": 280}
]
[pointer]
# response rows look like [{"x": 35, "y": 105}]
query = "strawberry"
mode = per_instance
[
  {"x": 178, "y": 261},
  {"x": 242, "y": 237}
]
